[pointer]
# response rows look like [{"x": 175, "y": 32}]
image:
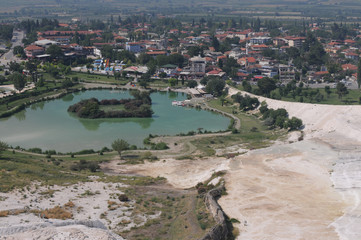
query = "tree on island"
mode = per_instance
[
  {"x": 120, "y": 145},
  {"x": 3, "y": 146}
]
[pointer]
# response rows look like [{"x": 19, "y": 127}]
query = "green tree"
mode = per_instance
[
  {"x": 55, "y": 51},
  {"x": 266, "y": 85},
  {"x": 215, "y": 86},
  {"x": 215, "y": 43},
  {"x": 162, "y": 75},
  {"x": 18, "y": 80},
  {"x": 143, "y": 83},
  {"x": 3, "y": 146},
  {"x": 15, "y": 67},
  {"x": 67, "y": 83},
  {"x": 192, "y": 84},
  {"x": 359, "y": 73},
  {"x": 294, "y": 123},
  {"x": 19, "y": 50},
  {"x": 172, "y": 82},
  {"x": 341, "y": 90},
  {"x": 328, "y": 91},
  {"x": 120, "y": 145}
]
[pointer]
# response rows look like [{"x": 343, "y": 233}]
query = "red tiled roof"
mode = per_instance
[
  {"x": 349, "y": 67},
  {"x": 241, "y": 74},
  {"x": 214, "y": 72},
  {"x": 350, "y": 41},
  {"x": 157, "y": 53},
  {"x": 351, "y": 54},
  {"x": 260, "y": 46},
  {"x": 321, "y": 73},
  {"x": 33, "y": 48}
]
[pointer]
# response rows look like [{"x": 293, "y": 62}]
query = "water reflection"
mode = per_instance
[
  {"x": 36, "y": 106},
  {"x": 21, "y": 116},
  {"x": 68, "y": 98},
  {"x": 172, "y": 95},
  {"x": 94, "y": 124}
]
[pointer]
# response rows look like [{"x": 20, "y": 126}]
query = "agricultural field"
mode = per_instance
[{"x": 281, "y": 9}]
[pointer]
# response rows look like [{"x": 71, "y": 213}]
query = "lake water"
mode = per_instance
[{"x": 48, "y": 125}]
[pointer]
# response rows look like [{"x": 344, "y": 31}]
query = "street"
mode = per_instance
[{"x": 16, "y": 41}]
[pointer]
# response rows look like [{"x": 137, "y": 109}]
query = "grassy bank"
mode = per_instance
[
  {"x": 316, "y": 95},
  {"x": 252, "y": 134}
]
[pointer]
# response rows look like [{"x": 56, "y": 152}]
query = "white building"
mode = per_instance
[{"x": 198, "y": 65}]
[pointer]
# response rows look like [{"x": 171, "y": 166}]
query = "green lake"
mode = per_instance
[{"x": 48, "y": 125}]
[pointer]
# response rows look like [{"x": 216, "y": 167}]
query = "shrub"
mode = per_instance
[
  {"x": 56, "y": 213},
  {"x": 160, "y": 146},
  {"x": 123, "y": 198}
]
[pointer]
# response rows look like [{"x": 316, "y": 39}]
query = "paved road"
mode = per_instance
[{"x": 16, "y": 41}]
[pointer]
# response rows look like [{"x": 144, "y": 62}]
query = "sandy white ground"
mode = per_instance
[
  {"x": 95, "y": 203},
  {"x": 291, "y": 190}
]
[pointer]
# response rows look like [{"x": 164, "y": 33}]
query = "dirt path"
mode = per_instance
[{"x": 237, "y": 122}]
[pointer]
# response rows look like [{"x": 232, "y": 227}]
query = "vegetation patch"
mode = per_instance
[
  {"x": 56, "y": 213},
  {"x": 92, "y": 108}
]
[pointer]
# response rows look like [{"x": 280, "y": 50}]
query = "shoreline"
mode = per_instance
[{"x": 90, "y": 87}]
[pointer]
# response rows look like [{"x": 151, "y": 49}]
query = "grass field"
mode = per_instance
[
  {"x": 179, "y": 209},
  {"x": 288, "y": 9},
  {"x": 252, "y": 134},
  {"x": 352, "y": 98},
  {"x": 97, "y": 78}
]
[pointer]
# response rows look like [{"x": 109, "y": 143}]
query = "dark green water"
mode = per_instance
[{"x": 48, "y": 125}]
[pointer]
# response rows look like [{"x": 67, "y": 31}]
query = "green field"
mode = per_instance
[
  {"x": 284, "y": 9},
  {"x": 252, "y": 134}
]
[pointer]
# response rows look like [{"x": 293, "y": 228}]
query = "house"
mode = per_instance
[
  {"x": 246, "y": 61},
  {"x": 32, "y": 51},
  {"x": 136, "y": 70},
  {"x": 295, "y": 41},
  {"x": 198, "y": 65},
  {"x": 45, "y": 43},
  {"x": 216, "y": 73},
  {"x": 349, "y": 67},
  {"x": 260, "y": 40},
  {"x": 170, "y": 69},
  {"x": 134, "y": 47},
  {"x": 352, "y": 55},
  {"x": 154, "y": 54},
  {"x": 349, "y": 42},
  {"x": 286, "y": 73},
  {"x": 319, "y": 75},
  {"x": 240, "y": 76},
  {"x": 259, "y": 47}
]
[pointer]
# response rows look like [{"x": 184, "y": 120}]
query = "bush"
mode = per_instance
[
  {"x": 56, "y": 213},
  {"x": 83, "y": 164},
  {"x": 123, "y": 198},
  {"x": 160, "y": 146},
  {"x": 36, "y": 150}
]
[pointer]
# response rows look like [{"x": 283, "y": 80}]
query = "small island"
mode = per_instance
[{"x": 139, "y": 107}]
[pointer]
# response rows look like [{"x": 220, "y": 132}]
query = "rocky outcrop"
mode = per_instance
[
  {"x": 57, "y": 229},
  {"x": 220, "y": 230}
]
